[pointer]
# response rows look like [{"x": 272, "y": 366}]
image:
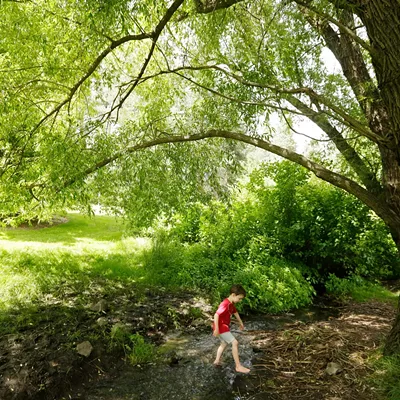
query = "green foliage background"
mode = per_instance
[{"x": 283, "y": 235}]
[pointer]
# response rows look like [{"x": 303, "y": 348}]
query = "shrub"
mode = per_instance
[
  {"x": 357, "y": 288},
  {"x": 273, "y": 285},
  {"x": 279, "y": 239},
  {"x": 323, "y": 228}
]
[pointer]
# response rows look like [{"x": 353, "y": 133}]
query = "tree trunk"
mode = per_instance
[
  {"x": 392, "y": 345},
  {"x": 382, "y": 21},
  {"x": 391, "y": 178},
  {"x": 391, "y": 183}
]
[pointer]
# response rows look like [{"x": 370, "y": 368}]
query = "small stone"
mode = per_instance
[
  {"x": 333, "y": 368},
  {"x": 84, "y": 348}
]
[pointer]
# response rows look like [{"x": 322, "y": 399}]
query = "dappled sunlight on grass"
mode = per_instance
[
  {"x": 78, "y": 227},
  {"x": 71, "y": 259},
  {"x": 374, "y": 292},
  {"x": 80, "y": 244}
]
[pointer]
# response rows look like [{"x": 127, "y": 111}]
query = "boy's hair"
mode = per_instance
[{"x": 238, "y": 289}]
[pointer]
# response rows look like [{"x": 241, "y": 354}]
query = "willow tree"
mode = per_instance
[{"x": 97, "y": 97}]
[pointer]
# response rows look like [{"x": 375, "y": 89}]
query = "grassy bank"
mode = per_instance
[{"x": 66, "y": 262}]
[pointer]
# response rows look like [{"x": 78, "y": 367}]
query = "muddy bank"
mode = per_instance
[
  {"x": 39, "y": 358},
  {"x": 323, "y": 359}
]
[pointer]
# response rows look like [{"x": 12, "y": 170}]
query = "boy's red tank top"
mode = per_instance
[{"x": 225, "y": 310}]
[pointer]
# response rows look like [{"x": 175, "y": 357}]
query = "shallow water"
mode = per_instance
[{"x": 189, "y": 373}]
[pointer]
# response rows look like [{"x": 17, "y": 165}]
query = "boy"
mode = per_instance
[{"x": 222, "y": 319}]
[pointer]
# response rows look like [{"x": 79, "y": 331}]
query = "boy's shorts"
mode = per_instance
[{"x": 226, "y": 337}]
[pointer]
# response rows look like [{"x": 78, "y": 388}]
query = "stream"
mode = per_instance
[{"x": 189, "y": 373}]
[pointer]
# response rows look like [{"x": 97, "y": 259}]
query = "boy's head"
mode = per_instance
[{"x": 237, "y": 293}]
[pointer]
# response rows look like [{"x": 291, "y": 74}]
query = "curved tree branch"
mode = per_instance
[
  {"x": 238, "y": 101},
  {"x": 370, "y": 199},
  {"x": 346, "y": 118},
  {"x": 209, "y": 6},
  {"x": 366, "y": 176}
]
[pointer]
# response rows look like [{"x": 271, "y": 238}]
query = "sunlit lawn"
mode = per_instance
[
  {"x": 100, "y": 231},
  {"x": 74, "y": 259}
]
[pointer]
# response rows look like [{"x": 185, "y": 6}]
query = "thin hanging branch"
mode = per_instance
[{"x": 114, "y": 44}]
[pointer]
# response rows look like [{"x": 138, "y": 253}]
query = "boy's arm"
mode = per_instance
[
  {"x": 237, "y": 316},
  {"x": 216, "y": 324}
]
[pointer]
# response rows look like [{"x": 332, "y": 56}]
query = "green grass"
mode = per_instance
[
  {"x": 75, "y": 259},
  {"x": 374, "y": 292},
  {"x": 77, "y": 231},
  {"x": 386, "y": 376},
  {"x": 140, "y": 352},
  {"x": 359, "y": 289}
]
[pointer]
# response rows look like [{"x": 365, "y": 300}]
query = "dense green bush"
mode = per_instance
[
  {"x": 281, "y": 232},
  {"x": 272, "y": 284},
  {"x": 320, "y": 226}
]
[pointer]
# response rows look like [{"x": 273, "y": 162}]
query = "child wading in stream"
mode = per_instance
[{"x": 222, "y": 319}]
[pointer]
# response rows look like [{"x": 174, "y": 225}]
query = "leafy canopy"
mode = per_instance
[{"x": 90, "y": 87}]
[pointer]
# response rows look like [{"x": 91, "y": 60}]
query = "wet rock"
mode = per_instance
[
  {"x": 185, "y": 311},
  {"x": 172, "y": 358},
  {"x": 333, "y": 368},
  {"x": 84, "y": 348},
  {"x": 200, "y": 323}
]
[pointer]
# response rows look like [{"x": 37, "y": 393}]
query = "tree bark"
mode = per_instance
[
  {"x": 382, "y": 21},
  {"x": 209, "y": 6},
  {"x": 392, "y": 345}
]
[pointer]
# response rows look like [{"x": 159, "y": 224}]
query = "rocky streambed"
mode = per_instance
[{"x": 317, "y": 352}]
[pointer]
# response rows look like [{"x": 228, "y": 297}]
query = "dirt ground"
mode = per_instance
[
  {"x": 294, "y": 362},
  {"x": 40, "y": 361}
]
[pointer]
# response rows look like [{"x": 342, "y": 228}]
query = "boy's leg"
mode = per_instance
[
  {"x": 235, "y": 353},
  {"x": 220, "y": 350}
]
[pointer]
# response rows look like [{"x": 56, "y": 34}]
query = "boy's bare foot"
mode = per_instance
[
  {"x": 242, "y": 369},
  {"x": 217, "y": 364}
]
